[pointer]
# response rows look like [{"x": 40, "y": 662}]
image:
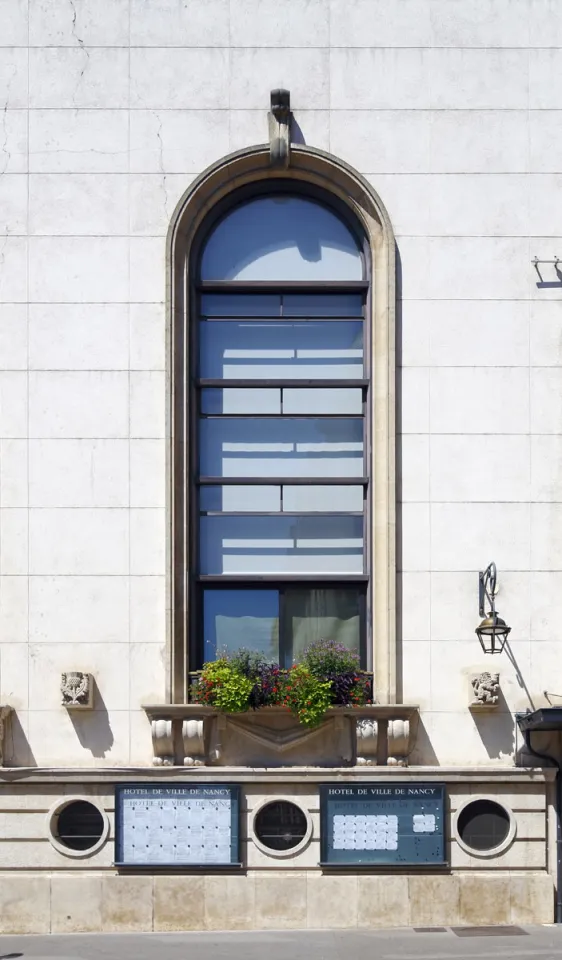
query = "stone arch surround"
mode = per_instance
[{"x": 215, "y": 184}]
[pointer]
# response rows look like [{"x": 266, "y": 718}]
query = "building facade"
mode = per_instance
[{"x": 274, "y": 367}]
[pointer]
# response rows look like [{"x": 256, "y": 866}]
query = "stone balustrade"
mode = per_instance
[{"x": 196, "y": 735}]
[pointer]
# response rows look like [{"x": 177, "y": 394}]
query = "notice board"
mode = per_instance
[
  {"x": 383, "y": 823},
  {"x": 183, "y": 825}
]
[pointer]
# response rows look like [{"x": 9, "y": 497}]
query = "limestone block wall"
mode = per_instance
[
  {"x": 54, "y": 903},
  {"x": 42, "y": 890},
  {"x": 109, "y": 109}
]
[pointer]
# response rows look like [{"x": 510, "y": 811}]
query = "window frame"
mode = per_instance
[{"x": 197, "y": 583}]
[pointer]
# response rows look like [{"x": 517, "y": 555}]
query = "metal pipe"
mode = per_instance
[{"x": 558, "y": 804}]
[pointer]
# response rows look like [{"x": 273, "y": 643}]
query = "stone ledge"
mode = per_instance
[
  {"x": 194, "y": 735},
  {"x": 294, "y": 774}
]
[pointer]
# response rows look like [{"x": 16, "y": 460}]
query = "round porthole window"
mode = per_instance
[
  {"x": 77, "y": 827},
  {"x": 281, "y": 828},
  {"x": 484, "y": 826}
]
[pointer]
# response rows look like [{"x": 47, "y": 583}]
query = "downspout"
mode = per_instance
[{"x": 558, "y": 804}]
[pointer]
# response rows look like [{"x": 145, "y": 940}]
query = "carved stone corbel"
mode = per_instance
[
  {"x": 279, "y": 123},
  {"x": 398, "y": 742},
  {"x": 193, "y": 734},
  {"x": 367, "y": 732},
  {"x": 163, "y": 743}
]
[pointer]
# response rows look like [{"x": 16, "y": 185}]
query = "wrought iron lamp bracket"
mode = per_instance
[{"x": 487, "y": 580}]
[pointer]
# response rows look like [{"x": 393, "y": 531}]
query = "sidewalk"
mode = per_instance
[{"x": 484, "y": 943}]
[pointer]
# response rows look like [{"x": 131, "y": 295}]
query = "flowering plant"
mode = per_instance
[
  {"x": 337, "y": 664},
  {"x": 306, "y": 696},
  {"x": 328, "y": 675}
]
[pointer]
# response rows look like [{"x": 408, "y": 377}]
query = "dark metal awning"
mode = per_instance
[{"x": 547, "y": 718}]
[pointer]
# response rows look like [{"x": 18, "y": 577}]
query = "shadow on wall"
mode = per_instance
[
  {"x": 497, "y": 730},
  {"x": 423, "y": 753},
  {"x": 17, "y": 751},
  {"x": 297, "y": 136},
  {"x": 518, "y": 675},
  {"x": 93, "y": 728}
]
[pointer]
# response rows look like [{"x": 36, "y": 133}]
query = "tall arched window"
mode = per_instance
[{"x": 280, "y": 380}]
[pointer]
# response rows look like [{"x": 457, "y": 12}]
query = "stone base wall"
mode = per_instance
[
  {"x": 42, "y": 903},
  {"x": 45, "y": 887}
]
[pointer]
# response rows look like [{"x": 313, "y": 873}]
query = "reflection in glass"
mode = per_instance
[
  {"x": 323, "y": 614},
  {"x": 323, "y": 499},
  {"x": 320, "y": 400},
  {"x": 281, "y": 238},
  {"x": 281, "y": 544},
  {"x": 240, "y": 499},
  {"x": 307, "y": 498},
  {"x": 322, "y": 305},
  {"x": 240, "y": 400},
  {"x": 240, "y": 618},
  {"x": 300, "y": 350},
  {"x": 281, "y": 448},
  {"x": 240, "y": 305}
]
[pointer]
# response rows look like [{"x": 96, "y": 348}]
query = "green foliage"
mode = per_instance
[
  {"x": 326, "y": 658},
  {"x": 223, "y": 687},
  {"x": 306, "y": 696}
]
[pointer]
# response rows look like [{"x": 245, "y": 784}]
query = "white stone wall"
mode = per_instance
[{"x": 108, "y": 109}]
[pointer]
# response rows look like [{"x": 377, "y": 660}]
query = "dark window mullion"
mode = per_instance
[
  {"x": 297, "y": 318},
  {"x": 245, "y": 384},
  {"x": 283, "y": 629},
  {"x": 281, "y": 513},
  {"x": 280, "y": 416},
  {"x": 288, "y": 286},
  {"x": 257, "y": 578},
  {"x": 362, "y": 481}
]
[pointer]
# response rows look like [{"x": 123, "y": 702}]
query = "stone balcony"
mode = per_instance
[{"x": 195, "y": 735}]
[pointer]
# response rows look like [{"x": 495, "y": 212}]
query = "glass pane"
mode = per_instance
[
  {"x": 311, "y": 351},
  {"x": 240, "y": 305},
  {"x": 322, "y": 305},
  {"x": 240, "y": 499},
  {"x": 323, "y": 614},
  {"x": 300, "y": 400},
  {"x": 284, "y": 544},
  {"x": 240, "y": 618},
  {"x": 281, "y": 238},
  {"x": 281, "y": 448},
  {"x": 327, "y": 499},
  {"x": 240, "y": 400}
]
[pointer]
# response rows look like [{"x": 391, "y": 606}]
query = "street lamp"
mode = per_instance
[{"x": 493, "y": 631}]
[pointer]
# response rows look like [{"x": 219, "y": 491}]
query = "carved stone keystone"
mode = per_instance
[{"x": 279, "y": 122}]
